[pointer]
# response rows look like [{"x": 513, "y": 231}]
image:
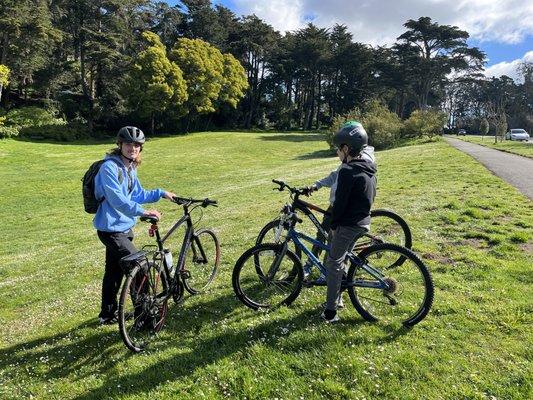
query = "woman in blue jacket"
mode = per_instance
[{"x": 121, "y": 196}]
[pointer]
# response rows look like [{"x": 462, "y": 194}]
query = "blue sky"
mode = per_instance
[{"x": 503, "y": 29}]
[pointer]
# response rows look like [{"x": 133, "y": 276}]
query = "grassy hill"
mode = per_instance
[{"x": 474, "y": 231}]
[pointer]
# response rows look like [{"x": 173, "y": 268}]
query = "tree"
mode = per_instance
[
  {"x": 435, "y": 51},
  {"x": 26, "y": 37},
  {"x": 234, "y": 81},
  {"x": 349, "y": 72},
  {"x": 203, "y": 69},
  {"x": 155, "y": 83},
  {"x": 167, "y": 22},
  {"x": 256, "y": 43},
  {"x": 484, "y": 127},
  {"x": 4, "y": 78}
]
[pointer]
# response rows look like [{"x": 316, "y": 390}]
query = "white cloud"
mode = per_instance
[
  {"x": 381, "y": 22},
  {"x": 509, "y": 68}
]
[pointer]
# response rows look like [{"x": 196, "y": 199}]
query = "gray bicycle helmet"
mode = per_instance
[
  {"x": 353, "y": 135},
  {"x": 130, "y": 134}
]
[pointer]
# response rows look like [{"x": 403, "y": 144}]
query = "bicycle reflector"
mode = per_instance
[{"x": 151, "y": 230}]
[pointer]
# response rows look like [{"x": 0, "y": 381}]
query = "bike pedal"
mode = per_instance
[{"x": 185, "y": 274}]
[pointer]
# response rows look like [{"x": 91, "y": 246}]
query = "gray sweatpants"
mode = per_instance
[{"x": 341, "y": 240}]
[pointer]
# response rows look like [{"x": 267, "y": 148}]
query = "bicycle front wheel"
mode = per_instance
[
  {"x": 263, "y": 277},
  {"x": 143, "y": 306},
  {"x": 409, "y": 295},
  {"x": 274, "y": 232},
  {"x": 201, "y": 260}
]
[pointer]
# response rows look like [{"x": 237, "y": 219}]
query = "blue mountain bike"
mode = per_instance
[{"x": 385, "y": 281}]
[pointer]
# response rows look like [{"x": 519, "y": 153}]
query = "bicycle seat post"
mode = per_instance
[{"x": 154, "y": 231}]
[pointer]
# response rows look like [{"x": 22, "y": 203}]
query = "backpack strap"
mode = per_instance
[{"x": 121, "y": 174}]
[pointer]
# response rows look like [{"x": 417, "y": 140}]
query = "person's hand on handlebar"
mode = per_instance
[
  {"x": 152, "y": 213},
  {"x": 309, "y": 189},
  {"x": 169, "y": 196}
]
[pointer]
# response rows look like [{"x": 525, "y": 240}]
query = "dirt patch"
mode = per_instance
[
  {"x": 527, "y": 247},
  {"x": 438, "y": 258},
  {"x": 476, "y": 243}
]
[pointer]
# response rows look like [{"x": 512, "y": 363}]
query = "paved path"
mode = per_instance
[{"x": 514, "y": 169}]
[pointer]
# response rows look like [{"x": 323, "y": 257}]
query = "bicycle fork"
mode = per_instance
[{"x": 274, "y": 267}]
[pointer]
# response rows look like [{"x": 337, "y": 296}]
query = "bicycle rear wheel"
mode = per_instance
[
  {"x": 410, "y": 294},
  {"x": 386, "y": 227},
  {"x": 143, "y": 306},
  {"x": 201, "y": 260},
  {"x": 259, "y": 284}
]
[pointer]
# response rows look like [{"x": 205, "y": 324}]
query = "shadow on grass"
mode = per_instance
[
  {"x": 294, "y": 137},
  {"x": 60, "y": 355},
  {"x": 89, "y": 349},
  {"x": 78, "y": 142},
  {"x": 315, "y": 155}
]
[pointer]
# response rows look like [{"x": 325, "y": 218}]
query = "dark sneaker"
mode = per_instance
[
  {"x": 331, "y": 320},
  {"x": 108, "y": 320}
]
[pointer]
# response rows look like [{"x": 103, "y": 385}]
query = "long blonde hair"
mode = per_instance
[{"x": 116, "y": 152}]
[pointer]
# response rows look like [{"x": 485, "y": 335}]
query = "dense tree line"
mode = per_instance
[{"x": 192, "y": 66}]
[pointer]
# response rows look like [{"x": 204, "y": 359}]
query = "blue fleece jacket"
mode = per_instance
[{"x": 120, "y": 208}]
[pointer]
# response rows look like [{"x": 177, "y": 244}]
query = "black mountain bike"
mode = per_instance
[
  {"x": 386, "y": 225},
  {"x": 152, "y": 277}
]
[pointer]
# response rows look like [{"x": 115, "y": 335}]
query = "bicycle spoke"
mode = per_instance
[
  {"x": 409, "y": 293},
  {"x": 259, "y": 291}
]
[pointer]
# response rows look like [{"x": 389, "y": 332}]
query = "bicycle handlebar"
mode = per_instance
[
  {"x": 187, "y": 201},
  {"x": 283, "y": 185}
]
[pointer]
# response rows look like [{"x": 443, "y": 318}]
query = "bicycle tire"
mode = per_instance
[
  {"x": 267, "y": 234},
  {"x": 143, "y": 306},
  {"x": 202, "y": 270},
  {"x": 251, "y": 287},
  {"x": 411, "y": 295},
  {"x": 390, "y": 227}
]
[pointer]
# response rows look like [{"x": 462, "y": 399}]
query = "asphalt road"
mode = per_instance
[{"x": 514, "y": 169}]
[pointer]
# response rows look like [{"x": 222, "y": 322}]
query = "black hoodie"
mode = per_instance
[{"x": 356, "y": 189}]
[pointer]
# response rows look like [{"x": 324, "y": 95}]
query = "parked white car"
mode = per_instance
[{"x": 517, "y": 134}]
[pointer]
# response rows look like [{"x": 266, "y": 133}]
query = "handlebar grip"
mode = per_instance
[
  {"x": 149, "y": 218},
  {"x": 180, "y": 200},
  {"x": 281, "y": 183},
  {"x": 209, "y": 202}
]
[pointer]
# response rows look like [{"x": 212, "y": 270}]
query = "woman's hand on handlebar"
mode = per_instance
[
  {"x": 169, "y": 196},
  {"x": 152, "y": 213}
]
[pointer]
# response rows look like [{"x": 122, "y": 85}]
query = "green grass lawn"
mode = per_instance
[
  {"x": 521, "y": 148},
  {"x": 474, "y": 231}
]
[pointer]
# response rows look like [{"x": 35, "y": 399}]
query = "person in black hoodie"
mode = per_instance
[{"x": 350, "y": 217}]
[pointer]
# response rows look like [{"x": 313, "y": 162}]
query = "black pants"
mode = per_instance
[{"x": 117, "y": 245}]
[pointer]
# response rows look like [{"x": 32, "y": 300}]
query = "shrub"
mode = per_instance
[
  {"x": 424, "y": 123},
  {"x": 9, "y": 131},
  {"x": 61, "y": 132},
  {"x": 32, "y": 116},
  {"x": 383, "y": 127}
]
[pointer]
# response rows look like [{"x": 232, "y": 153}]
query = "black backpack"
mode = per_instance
[{"x": 90, "y": 202}]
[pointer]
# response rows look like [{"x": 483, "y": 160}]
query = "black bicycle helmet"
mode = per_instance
[
  {"x": 353, "y": 135},
  {"x": 130, "y": 134}
]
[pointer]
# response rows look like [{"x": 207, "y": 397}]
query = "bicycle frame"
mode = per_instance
[
  {"x": 306, "y": 208},
  {"x": 295, "y": 236},
  {"x": 187, "y": 241}
]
